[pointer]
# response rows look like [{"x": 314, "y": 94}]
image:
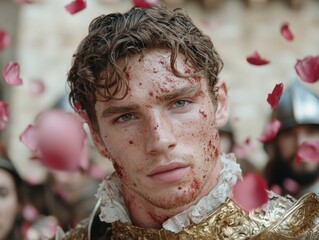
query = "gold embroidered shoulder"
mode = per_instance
[{"x": 283, "y": 218}]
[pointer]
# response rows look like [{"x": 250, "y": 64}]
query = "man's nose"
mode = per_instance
[{"x": 160, "y": 135}]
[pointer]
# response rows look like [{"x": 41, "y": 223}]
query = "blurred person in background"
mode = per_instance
[
  {"x": 68, "y": 196},
  {"x": 228, "y": 144},
  {"x": 298, "y": 112},
  {"x": 11, "y": 199}
]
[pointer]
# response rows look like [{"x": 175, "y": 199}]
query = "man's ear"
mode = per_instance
[
  {"x": 99, "y": 144},
  {"x": 222, "y": 111}
]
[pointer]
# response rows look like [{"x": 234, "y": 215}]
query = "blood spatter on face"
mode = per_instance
[
  {"x": 150, "y": 93},
  {"x": 130, "y": 142},
  {"x": 179, "y": 188},
  {"x": 140, "y": 84},
  {"x": 118, "y": 169},
  {"x": 187, "y": 70},
  {"x": 195, "y": 184},
  {"x": 203, "y": 114}
]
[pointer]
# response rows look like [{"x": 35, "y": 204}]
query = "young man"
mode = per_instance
[
  {"x": 298, "y": 112},
  {"x": 146, "y": 82}
]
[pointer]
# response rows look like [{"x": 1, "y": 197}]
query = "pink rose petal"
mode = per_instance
[
  {"x": 75, "y": 6},
  {"x": 4, "y": 39},
  {"x": 29, "y": 212},
  {"x": 274, "y": 97},
  {"x": 29, "y": 137},
  {"x": 285, "y": 32},
  {"x": 36, "y": 87},
  {"x": 255, "y": 59},
  {"x": 11, "y": 73},
  {"x": 270, "y": 131},
  {"x": 308, "y": 69},
  {"x": 308, "y": 151},
  {"x": 4, "y": 115},
  {"x": 291, "y": 185},
  {"x": 276, "y": 189},
  {"x": 96, "y": 172},
  {"x": 58, "y": 140},
  {"x": 144, "y": 3},
  {"x": 251, "y": 193}
]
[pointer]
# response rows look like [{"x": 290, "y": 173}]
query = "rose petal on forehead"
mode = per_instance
[
  {"x": 308, "y": 68},
  {"x": 4, "y": 115},
  {"x": 251, "y": 192},
  {"x": 308, "y": 151},
  {"x": 144, "y": 3},
  {"x": 270, "y": 131},
  {"x": 286, "y": 32},
  {"x": 4, "y": 39},
  {"x": 11, "y": 73},
  {"x": 36, "y": 87},
  {"x": 75, "y": 6},
  {"x": 274, "y": 97},
  {"x": 256, "y": 59}
]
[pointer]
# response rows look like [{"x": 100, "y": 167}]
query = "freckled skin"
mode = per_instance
[{"x": 161, "y": 130}]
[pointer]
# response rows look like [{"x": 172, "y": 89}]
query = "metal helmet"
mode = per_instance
[{"x": 297, "y": 105}]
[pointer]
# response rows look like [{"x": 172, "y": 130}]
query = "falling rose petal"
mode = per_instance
[
  {"x": 255, "y": 59},
  {"x": 291, "y": 185},
  {"x": 285, "y": 32},
  {"x": 75, "y": 6},
  {"x": 36, "y": 87},
  {"x": 308, "y": 151},
  {"x": 29, "y": 137},
  {"x": 4, "y": 39},
  {"x": 61, "y": 139},
  {"x": 96, "y": 172},
  {"x": 276, "y": 189},
  {"x": 4, "y": 115},
  {"x": 29, "y": 212},
  {"x": 251, "y": 192},
  {"x": 144, "y": 3},
  {"x": 274, "y": 97},
  {"x": 11, "y": 73},
  {"x": 270, "y": 131},
  {"x": 308, "y": 69}
]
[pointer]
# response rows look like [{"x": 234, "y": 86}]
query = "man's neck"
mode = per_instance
[{"x": 144, "y": 214}]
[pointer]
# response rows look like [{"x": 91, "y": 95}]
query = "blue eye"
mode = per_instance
[
  {"x": 125, "y": 117},
  {"x": 180, "y": 103}
]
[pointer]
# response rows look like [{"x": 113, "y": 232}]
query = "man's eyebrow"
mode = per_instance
[
  {"x": 118, "y": 110},
  {"x": 179, "y": 92}
]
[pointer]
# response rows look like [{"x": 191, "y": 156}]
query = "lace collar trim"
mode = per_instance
[{"x": 113, "y": 207}]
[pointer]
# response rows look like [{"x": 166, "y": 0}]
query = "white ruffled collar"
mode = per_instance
[{"x": 113, "y": 207}]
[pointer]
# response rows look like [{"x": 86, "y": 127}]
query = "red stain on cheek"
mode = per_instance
[
  {"x": 150, "y": 93},
  {"x": 130, "y": 142},
  {"x": 195, "y": 184},
  {"x": 161, "y": 62},
  {"x": 203, "y": 114},
  {"x": 119, "y": 169},
  {"x": 179, "y": 188}
]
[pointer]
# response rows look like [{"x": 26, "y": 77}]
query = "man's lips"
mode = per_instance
[{"x": 169, "y": 173}]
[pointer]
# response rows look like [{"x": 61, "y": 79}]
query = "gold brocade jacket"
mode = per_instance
[{"x": 281, "y": 218}]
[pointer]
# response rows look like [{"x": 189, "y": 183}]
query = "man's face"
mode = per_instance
[
  {"x": 288, "y": 142},
  {"x": 9, "y": 204},
  {"x": 162, "y": 137}
]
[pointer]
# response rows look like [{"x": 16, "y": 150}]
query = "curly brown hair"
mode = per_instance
[{"x": 95, "y": 70}]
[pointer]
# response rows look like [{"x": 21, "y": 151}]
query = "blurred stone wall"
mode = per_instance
[{"x": 47, "y": 36}]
